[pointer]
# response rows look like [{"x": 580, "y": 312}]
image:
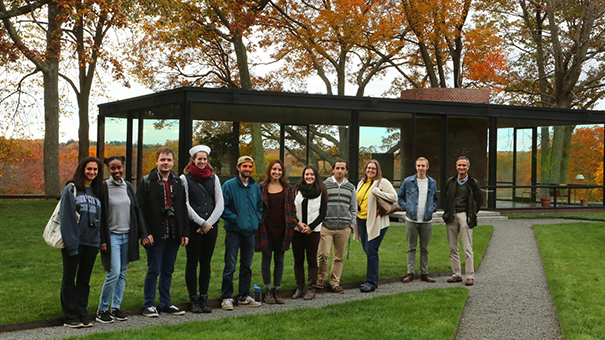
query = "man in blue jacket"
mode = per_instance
[
  {"x": 241, "y": 217},
  {"x": 418, "y": 196}
]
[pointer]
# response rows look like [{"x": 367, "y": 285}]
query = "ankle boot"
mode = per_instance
[
  {"x": 310, "y": 295},
  {"x": 278, "y": 299},
  {"x": 204, "y": 304},
  {"x": 268, "y": 298},
  {"x": 300, "y": 291},
  {"x": 195, "y": 305}
]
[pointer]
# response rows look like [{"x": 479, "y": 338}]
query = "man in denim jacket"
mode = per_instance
[{"x": 418, "y": 196}]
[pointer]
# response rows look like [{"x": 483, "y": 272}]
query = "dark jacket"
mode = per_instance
[
  {"x": 474, "y": 204},
  {"x": 150, "y": 194},
  {"x": 243, "y": 206},
  {"x": 261, "y": 242},
  {"x": 137, "y": 227}
]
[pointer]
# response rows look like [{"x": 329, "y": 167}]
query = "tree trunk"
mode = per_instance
[
  {"x": 83, "y": 129},
  {"x": 52, "y": 185},
  {"x": 258, "y": 152}
]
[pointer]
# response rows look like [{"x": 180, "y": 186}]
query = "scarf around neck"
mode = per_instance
[
  {"x": 309, "y": 192},
  {"x": 199, "y": 174}
]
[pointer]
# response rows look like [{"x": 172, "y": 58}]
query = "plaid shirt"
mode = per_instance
[{"x": 260, "y": 236}]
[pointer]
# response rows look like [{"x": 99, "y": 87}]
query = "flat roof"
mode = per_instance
[{"x": 302, "y": 108}]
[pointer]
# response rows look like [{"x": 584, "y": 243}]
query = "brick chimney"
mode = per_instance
[{"x": 478, "y": 96}]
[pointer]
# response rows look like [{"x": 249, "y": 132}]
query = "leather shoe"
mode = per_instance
[
  {"x": 366, "y": 288},
  {"x": 454, "y": 279},
  {"x": 408, "y": 278},
  {"x": 469, "y": 282},
  {"x": 426, "y": 278}
]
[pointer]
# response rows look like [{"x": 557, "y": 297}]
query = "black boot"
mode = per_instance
[
  {"x": 195, "y": 304},
  {"x": 204, "y": 304}
]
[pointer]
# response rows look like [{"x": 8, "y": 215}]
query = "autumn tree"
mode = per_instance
[
  {"x": 559, "y": 47},
  {"x": 85, "y": 32},
  {"x": 21, "y": 35},
  {"x": 449, "y": 45},
  {"x": 203, "y": 43}
]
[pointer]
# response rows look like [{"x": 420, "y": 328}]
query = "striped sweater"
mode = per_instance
[{"x": 342, "y": 204}]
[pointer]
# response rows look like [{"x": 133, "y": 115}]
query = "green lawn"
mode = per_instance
[
  {"x": 430, "y": 314},
  {"x": 579, "y": 215},
  {"x": 32, "y": 269},
  {"x": 574, "y": 260}
]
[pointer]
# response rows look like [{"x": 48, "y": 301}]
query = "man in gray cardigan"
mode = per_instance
[{"x": 341, "y": 216}]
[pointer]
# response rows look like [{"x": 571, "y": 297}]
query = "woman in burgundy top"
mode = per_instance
[{"x": 275, "y": 231}]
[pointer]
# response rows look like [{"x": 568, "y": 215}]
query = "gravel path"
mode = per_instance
[{"x": 510, "y": 298}]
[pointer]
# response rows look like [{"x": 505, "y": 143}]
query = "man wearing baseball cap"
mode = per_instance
[{"x": 241, "y": 217}]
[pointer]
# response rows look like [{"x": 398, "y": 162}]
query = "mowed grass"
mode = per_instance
[
  {"x": 430, "y": 314},
  {"x": 32, "y": 270},
  {"x": 574, "y": 260},
  {"x": 600, "y": 216}
]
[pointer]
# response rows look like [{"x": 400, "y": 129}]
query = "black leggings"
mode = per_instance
[
  {"x": 199, "y": 249},
  {"x": 275, "y": 247}
]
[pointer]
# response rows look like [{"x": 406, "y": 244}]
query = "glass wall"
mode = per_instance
[{"x": 388, "y": 138}]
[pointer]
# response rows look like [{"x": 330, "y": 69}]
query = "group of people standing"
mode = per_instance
[{"x": 168, "y": 211}]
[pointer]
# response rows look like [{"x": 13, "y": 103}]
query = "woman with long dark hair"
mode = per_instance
[
  {"x": 311, "y": 204},
  {"x": 122, "y": 226},
  {"x": 204, "y": 207},
  {"x": 80, "y": 218},
  {"x": 371, "y": 227},
  {"x": 274, "y": 234}
]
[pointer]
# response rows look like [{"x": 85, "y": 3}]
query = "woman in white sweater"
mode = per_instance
[
  {"x": 311, "y": 204},
  {"x": 371, "y": 227}
]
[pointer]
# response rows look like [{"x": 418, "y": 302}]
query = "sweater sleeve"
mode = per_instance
[
  {"x": 385, "y": 191},
  {"x": 219, "y": 204},
  {"x": 322, "y": 214},
  {"x": 69, "y": 222}
]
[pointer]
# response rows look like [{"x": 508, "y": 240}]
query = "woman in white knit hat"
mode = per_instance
[{"x": 204, "y": 207}]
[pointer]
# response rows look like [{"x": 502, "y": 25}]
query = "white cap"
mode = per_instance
[{"x": 199, "y": 148}]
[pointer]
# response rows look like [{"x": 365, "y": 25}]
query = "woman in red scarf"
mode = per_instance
[{"x": 204, "y": 207}]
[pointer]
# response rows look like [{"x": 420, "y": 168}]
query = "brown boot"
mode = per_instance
[
  {"x": 298, "y": 293},
  {"x": 268, "y": 298},
  {"x": 278, "y": 299},
  {"x": 310, "y": 294},
  {"x": 427, "y": 278}
]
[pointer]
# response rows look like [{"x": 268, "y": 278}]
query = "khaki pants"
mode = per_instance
[
  {"x": 328, "y": 236},
  {"x": 460, "y": 227},
  {"x": 424, "y": 230}
]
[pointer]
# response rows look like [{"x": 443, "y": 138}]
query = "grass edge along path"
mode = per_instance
[
  {"x": 573, "y": 257},
  {"x": 598, "y": 216},
  {"x": 429, "y": 314},
  {"x": 32, "y": 268}
]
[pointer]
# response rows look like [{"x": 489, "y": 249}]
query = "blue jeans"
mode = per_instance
[
  {"x": 116, "y": 277},
  {"x": 233, "y": 243},
  {"x": 160, "y": 262},
  {"x": 371, "y": 250}
]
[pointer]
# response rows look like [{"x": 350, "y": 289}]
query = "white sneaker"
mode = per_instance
[
  {"x": 248, "y": 301},
  {"x": 227, "y": 304}
]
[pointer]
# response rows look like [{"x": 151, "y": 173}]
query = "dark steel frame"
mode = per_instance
[{"x": 186, "y": 97}]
